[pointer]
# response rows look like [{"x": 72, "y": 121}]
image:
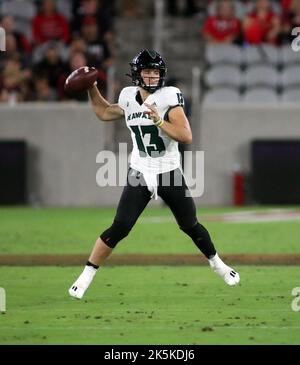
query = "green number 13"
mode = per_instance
[{"x": 156, "y": 146}]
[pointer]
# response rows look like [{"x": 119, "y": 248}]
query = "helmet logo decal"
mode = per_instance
[{"x": 152, "y": 54}]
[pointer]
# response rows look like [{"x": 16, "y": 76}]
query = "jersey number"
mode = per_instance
[
  {"x": 156, "y": 146},
  {"x": 180, "y": 99}
]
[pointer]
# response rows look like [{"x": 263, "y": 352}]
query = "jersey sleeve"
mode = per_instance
[
  {"x": 122, "y": 97},
  {"x": 175, "y": 97}
]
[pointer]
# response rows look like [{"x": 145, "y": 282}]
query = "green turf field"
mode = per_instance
[
  {"x": 153, "y": 305},
  {"x": 45, "y": 231},
  {"x": 146, "y": 305}
]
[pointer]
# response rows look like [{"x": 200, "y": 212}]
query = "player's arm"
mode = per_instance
[
  {"x": 102, "y": 108},
  {"x": 178, "y": 126}
]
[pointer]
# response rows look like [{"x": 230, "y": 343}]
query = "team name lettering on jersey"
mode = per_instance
[{"x": 138, "y": 115}]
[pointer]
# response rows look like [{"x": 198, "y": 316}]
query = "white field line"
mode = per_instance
[
  {"x": 157, "y": 219},
  {"x": 249, "y": 216}
]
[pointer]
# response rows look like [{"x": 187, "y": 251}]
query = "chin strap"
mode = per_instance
[{"x": 143, "y": 86}]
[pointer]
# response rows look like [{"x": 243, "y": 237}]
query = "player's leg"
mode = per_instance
[
  {"x": 172, "y": 189},
  {"x": 134, "y": 199},
  {"x": 177, "y": 196},
  {"x": 99, "y": 253}
]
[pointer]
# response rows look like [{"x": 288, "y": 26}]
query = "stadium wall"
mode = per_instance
[
  {"x": 64, "y": 140},
  {"x": 225, "y": 134}
]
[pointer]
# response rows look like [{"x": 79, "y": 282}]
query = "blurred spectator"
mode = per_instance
[
  {"x": 8, "y": 24},
  {"x": 100, "y": 9},
  {"x": 286, "y": 6},
  {"x": 14, "y": 82},
  {"x": 262, "y": 25},
  {"x": 77, "y": 60},
  {"x": 51, "y": 65},
  {"x": 290, "y": 20},
  {"x": 96, "y": 47},
  {"x": 40, "y": 51},
  {"x": 77, "y": 44},
  {"x": 42, "y": 90},
  {"x": 11, "y": 50},
  {"x": 91, "y": 45},
  {"x": 49, "y": 24},
  {"x": 189, "y": 8},
  {"x": 224, "y": 27},
  {"x": 131, "y": 8}
]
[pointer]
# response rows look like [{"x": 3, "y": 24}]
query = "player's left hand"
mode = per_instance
[{"x": 152, "y": 112}]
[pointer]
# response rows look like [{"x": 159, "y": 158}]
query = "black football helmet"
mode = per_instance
[{"x": 147, "y": 59}]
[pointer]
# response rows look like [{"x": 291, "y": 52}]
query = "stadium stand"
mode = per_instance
[
  {"x": 291, "y": 95},
  {"x": 221, "y": 95},
  {"x": 261, "y": 75},
  {"x": 223, "y": 53},
  {"x": 290, "y": 76},
  {"x": 240, "y": 66},
  {"x": 260, "y": 95},
  {"x": 222, "y": 75},
  {"x": 266, "y": 68},
  {"x": 265, "y": 54}
]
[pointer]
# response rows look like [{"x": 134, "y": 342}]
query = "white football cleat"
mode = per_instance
[
  {"x": 80, "y": 286},
  {"x": 230, "y": 276},
  {"x": 77, "y": 290}
]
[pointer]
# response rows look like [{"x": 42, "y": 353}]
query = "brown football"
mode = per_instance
[{"x": 81, "y": 79}]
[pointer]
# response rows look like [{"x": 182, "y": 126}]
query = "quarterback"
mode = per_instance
[{"x": 155, "y": 117}]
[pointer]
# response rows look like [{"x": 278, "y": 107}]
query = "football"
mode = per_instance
[{"x": 81, "y": 79}]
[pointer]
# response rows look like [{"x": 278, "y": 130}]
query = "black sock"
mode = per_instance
[{"x": 93, "y": 265}]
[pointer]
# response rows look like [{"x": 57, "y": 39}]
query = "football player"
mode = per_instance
[{"x": 156, "y": 119}]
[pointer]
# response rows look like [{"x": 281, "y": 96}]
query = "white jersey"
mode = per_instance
[{"x": 153, "y": 150}]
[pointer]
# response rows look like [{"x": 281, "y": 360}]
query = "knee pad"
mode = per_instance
[{"x": 115, "y": 233}]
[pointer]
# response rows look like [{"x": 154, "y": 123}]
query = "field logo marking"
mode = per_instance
[
  {"x": 2, "y": 300},
  {"x": 2, "y": 40},
  {"x": 296, "y": 302}
]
